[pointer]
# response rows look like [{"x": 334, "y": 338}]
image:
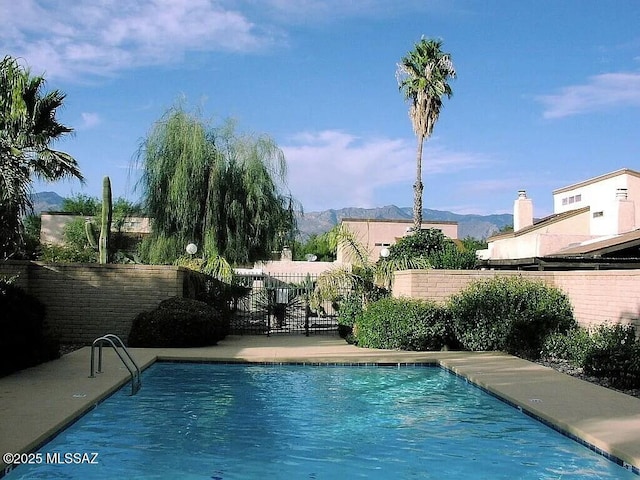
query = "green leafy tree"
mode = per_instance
[
  {"x": 318, "y": 245},
  {"x": 28, "y": 127},
  {"x": 219, "y": 189},
  {"x": 81, "y": 204},
  {"x": 435, "y": 249},
  {"x": 423, "y": 77}
]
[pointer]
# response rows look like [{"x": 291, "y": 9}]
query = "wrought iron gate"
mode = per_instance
[{"x": 280, "y": 304}]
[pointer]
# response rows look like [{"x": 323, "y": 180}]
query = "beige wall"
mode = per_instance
[
  {"x": 596, "y": 296},
  {"x": 377, "y": 234},
  {"x": 85, "y": 301}
]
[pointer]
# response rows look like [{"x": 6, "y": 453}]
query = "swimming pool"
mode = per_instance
[{"x": 214, "y": 421}]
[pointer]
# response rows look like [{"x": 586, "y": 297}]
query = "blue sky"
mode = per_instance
[{"x": 547, "y": 94}]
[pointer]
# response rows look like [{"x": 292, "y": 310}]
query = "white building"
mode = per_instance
[{"x": 593, "y": 210}]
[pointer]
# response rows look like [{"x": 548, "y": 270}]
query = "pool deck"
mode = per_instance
[{"x": 37, "y": 402}]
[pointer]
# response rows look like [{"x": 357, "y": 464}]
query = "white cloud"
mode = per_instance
[
  {"x": 89, "y": 120},
  {"x": 330, "y": 169},
  {"x": 99, "y": 38},
  {"x": 601, "y": 92}
]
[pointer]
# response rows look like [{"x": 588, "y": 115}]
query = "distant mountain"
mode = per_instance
[
  {"x": 476, "y": 226},
  {"x": 46, "y": 201}
]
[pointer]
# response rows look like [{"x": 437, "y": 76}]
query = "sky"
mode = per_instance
[{"x": 547, "y": 92}]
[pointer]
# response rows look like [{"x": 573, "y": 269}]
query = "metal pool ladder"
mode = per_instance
[{"x": 124, "y": 355}]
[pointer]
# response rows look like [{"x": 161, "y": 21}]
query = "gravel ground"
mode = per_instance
[{"x": 562, "y": 366}]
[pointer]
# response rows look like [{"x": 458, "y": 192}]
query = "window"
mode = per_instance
[
  {"x": 598, "y": 214},
  {"x": 565, "y": 201}
]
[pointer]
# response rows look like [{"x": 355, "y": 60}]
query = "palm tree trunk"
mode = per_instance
[{"x": 417, "y": 188}]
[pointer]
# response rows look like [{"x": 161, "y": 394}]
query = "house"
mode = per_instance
[
  {"x": 376, "y": 234},
  {"x": 600, "y": 209}
]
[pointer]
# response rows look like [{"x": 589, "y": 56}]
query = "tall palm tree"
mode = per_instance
[
  {"x": 423, "y": 77},
  {"x": 28, "y": 127}
]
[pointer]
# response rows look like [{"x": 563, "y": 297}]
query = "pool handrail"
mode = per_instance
[{"x": 131, "y": 365}]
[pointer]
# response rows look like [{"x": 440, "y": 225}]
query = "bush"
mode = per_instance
[
  {"x": 25, "y": 340},
  {"x": 66, "y": 254},
  {"x": 620, "y": 365},
  {"x": 511, "y": 314},
  {"x": 607, "y": 351},
  {"x": 350, "y": 308},
  {"x": 179, "y": 322},
  {"x": 577, "y": 344},
  {"x": 404, "y": 324},
  {"x": 574, "y": 345}
]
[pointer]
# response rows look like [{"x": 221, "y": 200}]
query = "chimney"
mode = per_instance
[
  {"x": 626, "y": 211},
  {"x": 522, "y": 211}
]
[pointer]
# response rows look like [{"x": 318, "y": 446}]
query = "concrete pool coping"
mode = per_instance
[{"x": 38, "y": 402}]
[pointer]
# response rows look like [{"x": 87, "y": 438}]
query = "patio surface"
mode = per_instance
[{"x": 37, "y": 402}]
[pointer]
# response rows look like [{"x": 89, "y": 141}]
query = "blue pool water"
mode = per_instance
[{"x": 212, "y": 421}]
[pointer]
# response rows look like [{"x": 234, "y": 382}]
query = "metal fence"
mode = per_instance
[{"x": 280, "y": 304}]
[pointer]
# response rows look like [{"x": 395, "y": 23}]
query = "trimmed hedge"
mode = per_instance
[
  {"x": 179, "y": 322},
  {"x": 24, "y": 337},
  {"x": 511, "y": 314},
  {"x": 402, "y": 323}
]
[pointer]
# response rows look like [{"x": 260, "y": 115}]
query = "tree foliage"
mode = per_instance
[
  {"x": 28, "y": 127},
  {"x": 222, "y": 190},
  {"x": 423, "y": 78},
  {"x": 434, "y": 249},
  {"x": 81, "y": 204},
  {"x": 319, "y": 245}
]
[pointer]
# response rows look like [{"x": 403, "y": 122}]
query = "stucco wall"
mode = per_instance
[
  {"x": 85, "y": 301},
  {"x": 376, "y": 234},
  {"x": 596, "y": 296}
]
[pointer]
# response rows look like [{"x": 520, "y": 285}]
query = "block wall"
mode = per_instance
[
  {"x": 85, "y": 301},
  {"x": 597, "y": 296}
]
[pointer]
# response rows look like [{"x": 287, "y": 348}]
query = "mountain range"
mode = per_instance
[{"x": 476, "y": 226}]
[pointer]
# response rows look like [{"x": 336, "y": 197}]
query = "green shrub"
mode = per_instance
[
  {"x": 578, "y": 344},
  {"x": 511, "y": 314},
  {"x": 402, "y": 323},
  {"x": 619, "y": 364},
  {"x": 25, "y": 340},
  {"x": 574, "y": 346},
  {"x": 610, "y": 351},
  {"x": 349, "y": 309},
  {"x": 179, "y": 322},
  {"x": 66, "y": 254}
]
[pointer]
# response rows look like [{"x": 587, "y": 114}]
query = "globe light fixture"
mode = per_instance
[
  {"x": 192, "y": 248},
  {"x": 384, "y": 253}
]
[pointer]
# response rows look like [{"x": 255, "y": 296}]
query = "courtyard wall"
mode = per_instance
[
  {"x": 597, "y": 296},
  {"x": 85, "y": 301}
]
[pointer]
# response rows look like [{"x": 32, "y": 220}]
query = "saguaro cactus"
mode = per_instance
[{"x": 105, "y": 226}]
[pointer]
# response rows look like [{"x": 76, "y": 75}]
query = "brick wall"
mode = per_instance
[
  {"x": 85, "y": 301},
  {"x": 596, "y": 296}
]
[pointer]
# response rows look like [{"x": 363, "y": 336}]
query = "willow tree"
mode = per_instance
[
  {"x": 28, "y": 127},
  {"x": 214, "y": 187},
  {"x": 423, "y": 78}
]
